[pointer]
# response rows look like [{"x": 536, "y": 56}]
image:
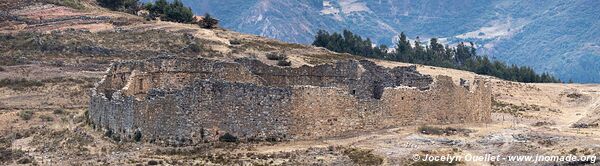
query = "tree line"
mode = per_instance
[
  {"x": 174, "y": 11},
  {"x": 463, "y": 56}
]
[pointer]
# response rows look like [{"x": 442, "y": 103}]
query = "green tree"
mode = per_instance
[
  {"x": 175, "y": 11},
  {"x": 129, "y": 6},
  {"x": 462, "y": 56},
  {"x": 403, "y": 48},
  {"x": 158, "y": 8},
  {"x": 321, "y": 39}
]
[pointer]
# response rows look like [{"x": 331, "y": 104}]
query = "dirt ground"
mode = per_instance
[{"x": 49, "y": 62}]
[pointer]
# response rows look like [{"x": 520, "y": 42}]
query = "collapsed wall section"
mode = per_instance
[
  {"x": 179, "y": 101},
  {"x": 363, "y": 79}
]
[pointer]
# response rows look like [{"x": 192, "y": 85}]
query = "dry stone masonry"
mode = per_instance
[{"x": 183, "y": 101}]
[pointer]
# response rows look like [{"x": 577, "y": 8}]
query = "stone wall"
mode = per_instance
[{"x": 180, "y": 101}]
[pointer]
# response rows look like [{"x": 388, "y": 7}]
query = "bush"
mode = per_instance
[
  {"x": 235, "y": 42},
  {"x": 281, "y": 58},
  {"x": 542, "y": 123},
  {"x": 137, "y": 136},
  {"x": 116, "y": 138},
  {"x": 46, "y": 118},
  {"x": 284, "y": 63},
  {"x": 228, "y": 138},
  {"x": 58, "y": 111},
  {"x": 574, "y": 95},
  {"x": 363, "y": 157},
  {"x": 152, "y": 162},
  {"x": 26, "y": 114},
  {"x": 108, "y": 133},
  {"x": 208, "y": 22},
  {"x": 584, "y": 125},
  {"x": 276, "y": 56},
  {"x": 443, "y": 131},
  {"x": 195, "y": 47}
]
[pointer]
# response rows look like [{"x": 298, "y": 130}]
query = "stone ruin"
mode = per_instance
[{"x": 184, "y": 101}]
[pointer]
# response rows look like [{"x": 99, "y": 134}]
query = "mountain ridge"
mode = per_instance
[{"x": 517, "y": 32}]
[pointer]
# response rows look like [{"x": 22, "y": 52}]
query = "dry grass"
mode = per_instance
[
  {"x": 8, "y": 155},
  {"x": 75, "y": 4},
  {"x": 517, "y": 110},
  {"x": 23, "y": 84},
  {"x": 363, "y": 156},
  {"x": 126, "y": 44}
]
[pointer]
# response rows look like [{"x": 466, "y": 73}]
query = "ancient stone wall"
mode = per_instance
[{"x": 180, "y": 101}]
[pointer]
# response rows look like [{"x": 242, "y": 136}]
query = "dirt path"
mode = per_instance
[
  {"x": 356, "y": 140},
  {"x": 568, "y": 118}
]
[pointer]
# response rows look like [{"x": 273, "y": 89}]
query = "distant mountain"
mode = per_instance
[{"x": 559, "y": 37}]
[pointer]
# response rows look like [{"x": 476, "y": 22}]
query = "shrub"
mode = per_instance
[
  {"x": 574, "y": 95},
  {"x": 235, "y": 42},
  {"x": 108, "y": 133},
  {"x": 584, "y": 125},
  {"x": 228, "y": 138},
  {"x": 208, "y": 22},
  {"x": 542, "y": 123},
  {"x": 137, "y": 136},
  {"x": 195, "y": 47},
  {"x": 443, "y": 131},
  {"x": 26, "y": 114},
  {"x": 276, "y": 56},
  {"x": 281, "y": 58},
  {"x": 573, "y": 151},
  {"x": 116, "y": 138},
  {"x": 46, "y": 118},
  {"x": 152, "y": 162},
  {"x": 547, "y": 142},
  {"x": 363, "y": 157},
  {"x": 58, "y": 111},
  {"x": 284, "y": 63}
]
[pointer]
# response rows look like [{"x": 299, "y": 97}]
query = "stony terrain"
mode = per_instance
[{"x": 51, "y": 55}]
